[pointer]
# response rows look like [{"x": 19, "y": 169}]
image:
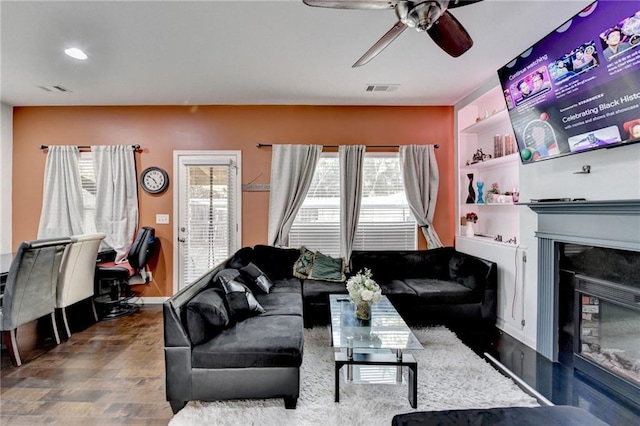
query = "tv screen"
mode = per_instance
[{"x": 578, "y": 89}]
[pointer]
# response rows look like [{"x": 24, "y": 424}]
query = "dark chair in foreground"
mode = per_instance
[
  {"x": 117, "y": 277},
  {"x": 508, "y": 416},
  {"x": 30, "y": 291}
]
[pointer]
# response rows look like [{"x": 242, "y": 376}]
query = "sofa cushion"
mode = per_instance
[
  {"x": 276, "y": 262},
  {"x": 263, "y": 341},
  {"x": 287, "y": 285},
  {"x": 206, "y": 315},
  {"x": 327, "y": 268},
  {"x": 439, "y": 291},
  {"x": 257, "y": 277},
  {"x": 240, "y": 301},
  {"x": 392, "y": 264},
  {"x": 302, "y": 266},
  {"x": 317, "y": 291},
  {"x": 280, "y": 303},
  {"x": 397, "y": 288}
]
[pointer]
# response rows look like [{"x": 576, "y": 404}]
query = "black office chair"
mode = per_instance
[{"x": 114, "y": 278}]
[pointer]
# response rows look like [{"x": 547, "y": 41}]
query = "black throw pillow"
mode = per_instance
[
  {"x": 206, "y": 315},
  {"x": 458, "y": 267},
  {"x": 227, "y": 274},
  {"x": 255, "y": 275},
  {"x": 241, "y": 302}
]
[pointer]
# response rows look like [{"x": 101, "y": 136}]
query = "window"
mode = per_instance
[
  {"x": 385, "y": 221},
  {"x": 88, "y": 178}
]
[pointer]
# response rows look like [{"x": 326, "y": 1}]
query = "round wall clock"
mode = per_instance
[{"x": 154, "y": 180}]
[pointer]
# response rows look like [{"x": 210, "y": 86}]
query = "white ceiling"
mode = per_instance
[{"x": 250, "y": 52}]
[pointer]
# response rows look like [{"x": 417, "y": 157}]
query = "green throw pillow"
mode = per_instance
[
  {"x": 302, "y": 266},
  {"x": 327, "y": 268}
]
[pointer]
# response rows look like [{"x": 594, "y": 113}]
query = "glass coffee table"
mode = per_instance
[{"x": 377, "y": 342}]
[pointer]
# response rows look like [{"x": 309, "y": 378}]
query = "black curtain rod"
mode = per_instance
[
  {"x": 260, "y": 145},
  {"x": 135, "y": 147}
]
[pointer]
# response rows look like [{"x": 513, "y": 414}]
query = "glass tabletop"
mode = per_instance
[{"x": 385, "y": 330}]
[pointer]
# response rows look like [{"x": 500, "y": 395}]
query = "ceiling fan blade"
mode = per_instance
[
  {"x": 450, "y": 35},
  {"x": 381, "y": 44},
  {"x": 352, "y": 4}
]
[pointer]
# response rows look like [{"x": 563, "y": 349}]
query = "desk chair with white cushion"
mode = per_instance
[{"x": 77, "y": 272}]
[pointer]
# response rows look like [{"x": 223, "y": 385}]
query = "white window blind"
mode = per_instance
[
  {"x": 88, "y": 179},
  {"x": 317, "y": 224},
  {"x": 385, "y": 221},
  {"x": 210, "y": 217}
]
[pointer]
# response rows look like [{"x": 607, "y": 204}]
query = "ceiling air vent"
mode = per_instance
[
  {"x": 382, "y": 87},
  {"x": 55, "y": 88}
]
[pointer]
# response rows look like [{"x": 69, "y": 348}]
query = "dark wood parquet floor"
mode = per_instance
[
  {"x": 107, "y": 373},
  {"x": 112, "y": 373}
]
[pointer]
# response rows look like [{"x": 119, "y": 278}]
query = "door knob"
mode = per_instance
[{"x": 182, "y": 240}]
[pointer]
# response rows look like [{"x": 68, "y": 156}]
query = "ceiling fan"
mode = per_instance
[{"x": 430, "y": 16}]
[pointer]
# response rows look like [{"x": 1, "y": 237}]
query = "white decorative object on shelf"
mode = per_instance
[{"x": 470, "y": 231}]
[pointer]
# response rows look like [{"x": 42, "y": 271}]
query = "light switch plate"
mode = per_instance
[{"x": 162, "y": 219}]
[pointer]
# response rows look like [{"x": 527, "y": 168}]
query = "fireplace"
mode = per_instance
[{"x": 589, "y": 290}]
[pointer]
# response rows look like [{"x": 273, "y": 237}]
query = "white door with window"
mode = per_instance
[{"x": 207, "y": 211}]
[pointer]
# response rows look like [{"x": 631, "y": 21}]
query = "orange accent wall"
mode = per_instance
[{"x": 162, "y": 129}]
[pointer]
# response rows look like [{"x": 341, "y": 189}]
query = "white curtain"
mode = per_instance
[
  {"x": 292, "y": 168},
  {"x": 116, "y": 196},
  {"x": 351, "y": 165},
  {"x": 420, "y": 178},
  {"x": 62, "y": 208}
]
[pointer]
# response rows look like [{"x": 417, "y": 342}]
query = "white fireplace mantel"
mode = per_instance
[{"x": 607, "y": 223}]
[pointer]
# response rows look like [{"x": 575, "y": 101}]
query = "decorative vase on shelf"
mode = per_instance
[
  {"x": 480, "y": 186},
  {"x": 363, "y": 310},
  {"x": 469, "y": 232},
  {"x": 471, "y": 197}
]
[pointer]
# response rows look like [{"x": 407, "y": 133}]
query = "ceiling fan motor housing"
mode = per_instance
[{"x": 420, "y": 15}]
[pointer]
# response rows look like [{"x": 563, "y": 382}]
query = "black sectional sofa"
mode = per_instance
[{"x": 260, "y": 356}]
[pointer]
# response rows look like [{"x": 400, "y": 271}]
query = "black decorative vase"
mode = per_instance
[{"x": 471, "y": 197}]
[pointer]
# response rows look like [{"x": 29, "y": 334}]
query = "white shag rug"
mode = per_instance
[{"x": 450, "y": 376}]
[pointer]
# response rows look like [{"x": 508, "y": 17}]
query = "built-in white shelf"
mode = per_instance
[
  {"x": 496, "y": 119},
  {"x": 492, "y": 204},
  {"x": 493, "y": 162},
  {"x": 487, "y": 240}
]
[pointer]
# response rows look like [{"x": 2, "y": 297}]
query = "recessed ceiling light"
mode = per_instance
[{"x": 76, "y": 53}]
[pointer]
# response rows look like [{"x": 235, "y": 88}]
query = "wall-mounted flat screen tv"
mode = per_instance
[{"x": 578, "y": 89}]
